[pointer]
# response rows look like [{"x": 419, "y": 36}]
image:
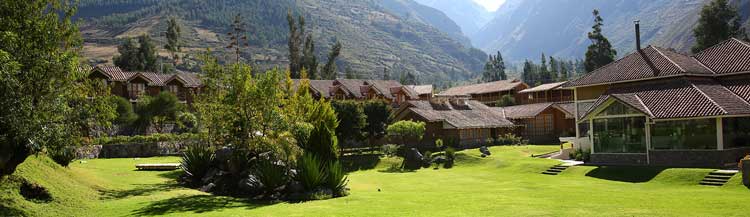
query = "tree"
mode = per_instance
[
  {"x": 237, "y": 38},
  {"x": 494, "y": 69},
  {"x": 125, "y": 114},
  {"x": 718, "y": 22},
  {"x": 564, "y": 75},
  {"x": 386, "y": 74},
  {"x": 173, "y": 38},
  {"x": 378, "y": 113},
  {"x": 352, "y": 120},
  {"x": 295, "y": 42},
  {"x": 408, "y": 78},
  {"x": 544, "y": 73},
  {"x": 529, "y": 71},
  {"x": 137, "y": 58},
  {"x": 506, "y": 100},
  {"x": 405, "y": 130},
  {"x": 329, "y": 70},
  {"x": 600, "y": 52},
  {"x": 42, "y": 103},
  {"x": 159, "y": 110},
  {"x": 309, "y": 60}
]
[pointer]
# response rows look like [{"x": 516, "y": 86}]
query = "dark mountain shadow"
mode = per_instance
[
  {"x": 632, "y": 174},
  {"x": 195, "y": 204}
]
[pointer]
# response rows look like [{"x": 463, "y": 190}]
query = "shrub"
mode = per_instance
[
  {"x": 404, "y": 130},
  {"x": 336, "y": 178},
  {"x": 439, "y": 144},
  {"x": 390, "y": 150},
  {"x": 62, "y": 155},
  {"x": 158, "y": 137},
  {"x": 580, "y": 154},
  {"x": 509, "y": 139},
  {"x": 352, "y": 119},
  {"x": 323, "y": 141},
  {"x": 378, "y": 112},
  {"x": 271, "y": 172},
  {"x": 124, "y": 109},
  {"x": 427, "y": 159},
  {"x": 196, "y": 160},
  {"x": 450, "y": 155},
  {"x": 310, "y": 171},
  {"x": 187, "y": 122}
]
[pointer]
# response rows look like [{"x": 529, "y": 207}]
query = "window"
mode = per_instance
[
  {"x": 684, "y": 135},
  {"x": 736, "y": 132},
  {"x": 540, "y": 125},
  {"x": 174, "y": 89},
  {"x": 583, "y": 129},
  {"x": 620, "y": 135},
  {"x": 136, "y": 89}
]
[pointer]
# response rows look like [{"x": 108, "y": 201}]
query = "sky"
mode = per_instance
[{"x": 490, "y": 5}]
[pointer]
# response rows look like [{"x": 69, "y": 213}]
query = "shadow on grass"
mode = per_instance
[
  {"x": 9, "y": 211},
  {"x": 632, "y": 174},
  {"x": 195, "y": 204},
  {"x": 139, "y": 190},
  {"x": 395, "y": 168},
  {"x": 171, "y": 175}
]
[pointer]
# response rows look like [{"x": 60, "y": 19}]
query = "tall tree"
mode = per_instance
[
  {"x": 173, "y": 38},
  {"x": 309, "y": 60},
  {"x": 600, "y": 52},
  {"x": 528, "y": 72},
  {"x": 43, "y": 103},
  {"x": 295, "y": 42},
  {"x": 544, "y": 73},
  {"x": 554, "y": 69},
  {"x": 238, "y": 37},
  {"x": 128, "y": 58},
  {"x": 494, "y": 69},
  {"x": 137, "y": 58},
  {"x": 329, "y": 70},
  {"x": 386, "y": 74},
  {"x": 147, "y": 54},
  {"x": 718, "y": 22},
  {"x": 564, "y": 75}
]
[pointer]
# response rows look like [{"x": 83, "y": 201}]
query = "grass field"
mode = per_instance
[{"x": 508, "y": 183}]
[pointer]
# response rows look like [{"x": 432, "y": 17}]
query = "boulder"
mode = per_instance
[
  {"x": 485, "y": 151},
  {"x": 208, "y": 188},
  {"x": 295, "y": 187},
  {"x": 250, "y": 185},
  {"x": 210, "y": 175},
  {"x": 746, "y": 172}
]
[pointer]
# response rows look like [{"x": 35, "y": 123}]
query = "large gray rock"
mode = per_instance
[
  {"x": 485, "y": 151},
  {"x": 208, "y": 187},
  {"x": 251, "y": 184}
]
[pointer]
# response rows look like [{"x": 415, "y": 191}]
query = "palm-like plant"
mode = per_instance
[
  {"x": 196, "y": 160},
  {"x": 311, "y": 172}
]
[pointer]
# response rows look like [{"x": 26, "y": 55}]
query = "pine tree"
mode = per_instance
[
  {"x": 173, "y": 38},
  {"x": 718, "y": 22},
  {"x": 494, "y": 69},
  {"x": 329, "y": 70},
  {"x": 386, "y": 74},
  {"x": 147, "y": 54},
  {"x": 295, "y": 41},
  {"x": 543, "y": 73},
  {"x": 554, "y": 71},
  {"x": 600, "y": 52},
  {"x": 128, "y": 58},
  {"x": 564, "y": 71},
  {"x": 528, "y": 72},
  {"x": 309, "y": 60},
  {"x": 500, "y": 67}
]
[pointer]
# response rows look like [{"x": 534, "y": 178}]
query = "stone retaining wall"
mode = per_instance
[{"x": 131, "y": 150}]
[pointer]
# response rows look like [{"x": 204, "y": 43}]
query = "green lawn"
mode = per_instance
[{"x": 508, "y": 183}]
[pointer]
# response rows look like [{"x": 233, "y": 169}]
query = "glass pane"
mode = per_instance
[
  {"x": 583, "y": 129},
  {"x": 684, "y": 135},
  {"x": 618, "y": 108},
  {"x": 736, "y": 132},
  {"x": 620, "y": 135}
]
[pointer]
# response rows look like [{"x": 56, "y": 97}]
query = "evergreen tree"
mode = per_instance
[
  {"x": 295, "y": 42},
  {"x": 543, "y": 73},
  {"x": 494, "y": 69},
  {"x": 718, "y": 22},
  {"x": 309, "y": 60},
  {"x": 329, "y": 70},
  {"x": 128, "y": 58},
  {"x": 386, "y": 74},
  {"x": 563, "y": 71},
  {"x": 600, "y": 52},
  {"x": 147, "y": 54},
  {"x": 137, "y": 58},
  {"x": 173, "y": 38},
  {"x": 528, "y": 72},
  {"x": 554, "y": 66}
]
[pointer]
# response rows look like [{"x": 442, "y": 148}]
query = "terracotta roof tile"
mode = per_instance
[
  {"x": 729, "y": 56},
  {"x": 421, "y": 89},
  {"x": 472, "y": 115},
  {"x": 490, "y": 87},
  {"x": 543, "y": 87}
]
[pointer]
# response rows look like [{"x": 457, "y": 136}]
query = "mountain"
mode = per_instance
[
  {"x": 466, "y": 13},
  {"x": 400, "y": 35},
  {"x": 523, "y": 29}
]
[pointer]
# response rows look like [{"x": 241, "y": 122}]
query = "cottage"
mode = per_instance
[
  {"x": 489, "y": 93},
  {"x": 390, "y": 91},
  {"x": 455, "y": 120},
  {"x": 132, "y": 85},
  {"x": 551, "y": 92},
  {"x": 659, "y": 107},
  {"x": 542, "y": 122}
]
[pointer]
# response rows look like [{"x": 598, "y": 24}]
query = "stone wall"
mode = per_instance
[
  {"x": 170, "y": 148},
  {"x": 618, "y": 159},
  {"x": 697, "y": 158}
]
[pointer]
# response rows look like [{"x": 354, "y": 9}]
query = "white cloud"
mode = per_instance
[{"x": 490, "y": 5}]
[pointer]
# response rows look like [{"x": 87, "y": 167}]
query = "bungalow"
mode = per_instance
[
  {"x": 131, "y": 85},
  {"x": 551, "y": 92},
  {"x": 542, "y": 122},
  {"x": 355, "y": 89},
  {"x": 455, "y": 120},
  {"x": 659, "y": 107},
  {"x": 489, "y": 93}
]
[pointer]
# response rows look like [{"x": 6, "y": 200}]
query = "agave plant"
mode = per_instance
[
  {"x": 196, "y": 160},
  {"x": 272, "y": 173},
  {"x": 311, "y": 172},
  {"x": 336, "y": 178}
]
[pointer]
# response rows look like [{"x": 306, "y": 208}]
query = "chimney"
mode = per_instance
[{"x": 637, "y": 35}]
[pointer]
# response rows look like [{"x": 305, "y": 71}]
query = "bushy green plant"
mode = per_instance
[
  {"x": 450, "y": 156},
  {"x": 352, "y": 119},
  {"x": 124, "y": 109},
  {"x": 378, "y": 112},
  {"x": 187, "y": 122},
  {"x": 323, "y": 141},
  {"x": 336, "y": 178},
  {"x": 310, "y": 171},
  {"x": 62, "y": 155},
  {"x": 427, "y": 159},
  {"x": 580, "y": 154},
  {"x": 272, "y": 173},
  {"x": 157, "y": 137},
  {"x": 390, "y": 150},
  {"x": 439, "y": 144},
  {"x": 509, "y": 139},
  {"x": 196, "y": 160}
]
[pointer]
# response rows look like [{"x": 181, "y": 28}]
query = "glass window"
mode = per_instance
[
  {"x": 618, "y": 108},
  {"x": 136, "y": 89},
  {"x": 684, "y": 135},
  {"x": 620, "y": 135},
  {"x": 736, "y": 132},
  {"x": 583, "y": 129}
]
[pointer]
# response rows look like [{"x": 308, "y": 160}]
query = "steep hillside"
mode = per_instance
[
  {"x": 398, "y": 34},
  {"x": 525, "y": 28},
  {"x": 466, "y": 13}
]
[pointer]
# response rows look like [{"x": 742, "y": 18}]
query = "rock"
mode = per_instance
[
  {"x": 295, "y": 187},
  {"x": 208, "y": 188},
  {"x": 484, "y": 155},
  {"x": 485, "y": 151},
  {"x": 251, "y": 184},
  {"x": 223, "y": 154},
  {"x": 413, "y": 159},
  {"x": 210, "y": 175},
  {"x": 439, "y": 159}
]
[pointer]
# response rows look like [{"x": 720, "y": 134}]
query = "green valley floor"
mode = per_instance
[{"x": 507, "y": 183}]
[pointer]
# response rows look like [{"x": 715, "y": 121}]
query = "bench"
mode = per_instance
[{"x": 164, "y": 166}]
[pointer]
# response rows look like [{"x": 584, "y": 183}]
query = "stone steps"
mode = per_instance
[
  {"x": 718, "y": 177},
  {"x": 557, "y": 169}
]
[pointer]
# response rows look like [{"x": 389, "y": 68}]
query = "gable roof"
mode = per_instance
[
  {"x": 678, "y": 98},
  {"x": 350, "y": 86},
  {"x": 153, "y": 78},
  {"x": 473, "y": 114},
  {"x": 729, "y": 56},
  {"x": 113, "y": 72},
  {"x": 543, "y": 87},
  {"x": 532, "y": 110},
  {"x": 422, "y": 89},
  {"x": 481, "y": 88}
]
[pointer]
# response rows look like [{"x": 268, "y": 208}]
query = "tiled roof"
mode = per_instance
[
  {"x": 490, "y": 87},
  {"x": 473, "y": 114},
  {"x": 113, "y": 72},
  {"x": 543, "y": 87},
  {"x": 350, "y": 86},
  {"x": 322, "y": 87},
  {"x": 422, "y": 89},
  {"x": 532, "y": 110},
  {"x": 154, "y": 79},
  {"x": 650, "y": 62},
  {"x": 384, "y": 87},
  {"x": 729, "y": 56},
  {"x": 678, "y": 98}
]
